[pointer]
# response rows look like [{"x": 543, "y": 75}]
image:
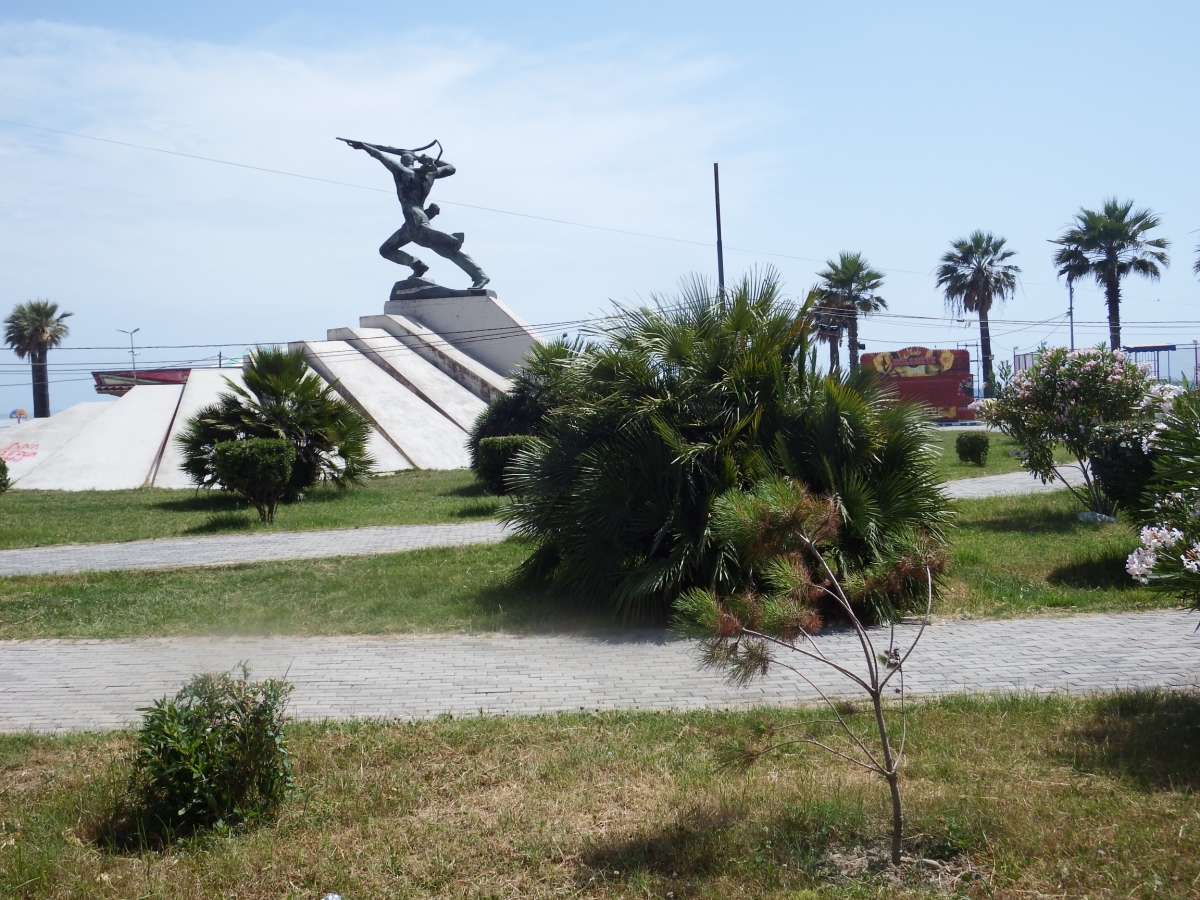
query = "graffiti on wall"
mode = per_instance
[{"x": 17, "y": 451}]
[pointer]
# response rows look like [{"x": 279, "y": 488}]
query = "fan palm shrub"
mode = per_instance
[
  {"x": 849, "y": 288},
  {"x": 32, "y": 329},
  {"x": 1109, "y": 245},
  {"x": 973, "y": 275},
  {"x": 668, "y": 407},
  {"x": 282, "y": 399}
]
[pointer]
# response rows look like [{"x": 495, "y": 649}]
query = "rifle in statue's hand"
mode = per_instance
[{"x": 358, "y": 145}]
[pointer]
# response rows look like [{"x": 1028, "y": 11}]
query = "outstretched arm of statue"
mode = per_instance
[{"x": 392, "y": 164}]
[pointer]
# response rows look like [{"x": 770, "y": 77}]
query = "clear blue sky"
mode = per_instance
[{"x": 885, "y": 128}]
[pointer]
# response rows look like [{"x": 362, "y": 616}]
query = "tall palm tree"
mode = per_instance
[
  {"x": 1108, "y": 245},
  {"x": 31, "y": 330},
  {"x": 973, "y": 275},
  {"x": 830, "y": 324},
  {"x": 849, "y": 286}
]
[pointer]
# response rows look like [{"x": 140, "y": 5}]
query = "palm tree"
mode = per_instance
[
  {"x": 282, "y": 399},
  {"x": 1108, "y": 245},
  {"x": 973, "y": 275},
  {"x": 830, "y": 323},
  {"x": 849, "y": 286},
  {"x": 31, "y": 330}
]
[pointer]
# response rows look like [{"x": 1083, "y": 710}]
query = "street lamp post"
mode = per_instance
[{"x": 132, "y": 355}]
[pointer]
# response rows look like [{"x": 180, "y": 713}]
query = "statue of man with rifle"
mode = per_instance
[{"x": 415, "y": 173}]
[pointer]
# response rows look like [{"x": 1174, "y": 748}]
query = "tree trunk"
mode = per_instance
[
  {"x": 41, "y": 384},
  {"x": 852, "y": 325},
  {"x": 1112, "y": 292},
  {"x": 835, "y": 362},
  {"x": 892, "y": 774},
  {"x": 985, "y": 349}
]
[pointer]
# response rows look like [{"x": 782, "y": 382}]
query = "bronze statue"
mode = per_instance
[{"x": 415, "y": 174}]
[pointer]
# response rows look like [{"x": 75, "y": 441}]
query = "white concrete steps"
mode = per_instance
[
  {"x": 481, "y": 326},
  {"x": 115, "y": 451},
  {"x": 423, "y": 435},
  {"x": 31, "y": 443},
  {"x": 474, "y": 376},
  {"x": 433, "y": 385}
]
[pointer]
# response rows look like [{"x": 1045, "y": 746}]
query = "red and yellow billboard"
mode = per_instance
[{"x": 938, "y": 378}]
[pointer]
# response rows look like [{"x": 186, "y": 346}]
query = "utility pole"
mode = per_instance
[
  {"x": 132, "y": 355},
  {"x": 1071, "y": 309},
  {"x": 720, "y": 247}
]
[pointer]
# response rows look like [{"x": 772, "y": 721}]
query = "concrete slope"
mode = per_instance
[
  {"x": 115, "y": 451},
  {"x": 425, "y": 437},
  {"x": 481, "y": 327},
  {"x": 387, "y": 458},
  {"x": 474, "y": 376},
  {"x": 26, "y": 446},
  {"x": 434, "y": 386},
  {"x": 202, "y": 389}
]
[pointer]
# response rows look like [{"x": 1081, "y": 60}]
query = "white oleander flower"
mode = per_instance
[
  {"x": 1140, "y": 563},
  {"x": 1161, "y": 537}
]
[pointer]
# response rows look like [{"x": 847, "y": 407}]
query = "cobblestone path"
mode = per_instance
[{"x": 56, "y": 685}]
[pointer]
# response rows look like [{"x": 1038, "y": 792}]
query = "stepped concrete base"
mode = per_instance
[
  {"x": 117, "y": 450},
  {"x": 428, "y": 382},
  {"x": 474, "y": 376},
  {"x": 387, "y": 458},
  {"x": 31, "y": 443},
  {"x": 480, "y": 326},
  {"x": 423, "y": 435}
]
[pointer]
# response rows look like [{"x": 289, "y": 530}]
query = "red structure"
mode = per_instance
[
  {"x": 119, "y": 383},
  {"x": 938, "y": 378}
]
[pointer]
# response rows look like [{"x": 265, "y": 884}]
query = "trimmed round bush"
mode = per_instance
[
  {"x": 1123, "y": 463},
  {"x": 257, "y": 468},
  {"x": 493, "y": 456},
  {"x": 973, "y": 447}
]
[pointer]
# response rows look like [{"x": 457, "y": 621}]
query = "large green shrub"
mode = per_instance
[
  {"x": 972, "y": 447},
  {"x": 214, "y": 755},
  {"x": 259, "y": 469},
  {"x": 283, "y": 399},
  {"x": 670, "y": 407},
  {"x": 493, "y": 456},
  {"x": 1123, "y": 463},
  {"x": 520, "y": 411},
  {"x": 5, "y": 483},
  {"x": 1060, "y": 401}
]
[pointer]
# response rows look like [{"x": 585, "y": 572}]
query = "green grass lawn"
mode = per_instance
[
  {"x": 1037, "y": 797},
  {"x": 1019, "y": 556},
  {"x": 38, "y": 518},
  {"x": 1010, "y": 556}
]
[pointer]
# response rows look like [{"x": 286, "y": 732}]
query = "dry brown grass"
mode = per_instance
[{"x": 1047, "y": 797}]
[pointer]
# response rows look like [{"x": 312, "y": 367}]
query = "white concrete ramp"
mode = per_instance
[
  {"x": 202, "y": 389},
  {"x": 115, "y": 451},
  {"x": 28, "y": 445},
  {"x": 425, "y": 437},
  {"x": 471, "y": 374},
  {"x": 431, "y": 384},
  {"x": 387, "y": 458},
  {"x": 480, "y": 326}
]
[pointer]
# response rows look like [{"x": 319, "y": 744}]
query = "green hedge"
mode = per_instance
[
  {"x": 257, "y": 468},
  {"x": 1122, "y": 463},
  {"x": 493, "y": 456},
  {"x": 973, "y": 447}
]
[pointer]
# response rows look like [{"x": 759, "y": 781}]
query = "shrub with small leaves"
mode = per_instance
[
  {"x": 214, "y": 755},
  {"x": 493, "y": 456},
  {"x": 1123, "y": 462},
  {"x": 5, "y": 484},
  {"x": 257, "y": 468},
  {"x": 973, "y": 447}
]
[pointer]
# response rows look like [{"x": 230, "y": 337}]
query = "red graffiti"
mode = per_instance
[{"x": 16, "y": 451}]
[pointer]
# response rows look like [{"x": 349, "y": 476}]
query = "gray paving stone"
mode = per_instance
[{"x": 60, "y": 685}]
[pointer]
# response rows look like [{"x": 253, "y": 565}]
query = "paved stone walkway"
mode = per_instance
[
  {"x": 56, "y": 685},
  {"x": 1010, "y": 484},
  {"x": 220, "y": 550}
]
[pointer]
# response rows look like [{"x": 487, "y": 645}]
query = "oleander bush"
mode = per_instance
[
  {"x": 972, "y": 447},
  {"x": 282, "y": 399},
  {"x": 493, "y": 456},
  {"x": 665, "y": 408},
  {"x": 212, "y": 756},
  {"x": 259, "y": 469}
]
